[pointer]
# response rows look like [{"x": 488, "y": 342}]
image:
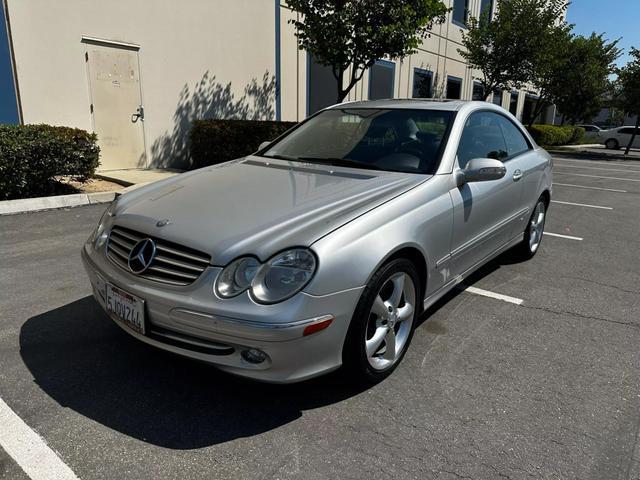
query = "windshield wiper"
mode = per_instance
[
  {"x": 340, "y": 162},
  {"x": 282, "y": 157}
]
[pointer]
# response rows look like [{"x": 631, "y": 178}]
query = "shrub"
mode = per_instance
[
  {"x": 32, "y": 155},
  {"x": 217, "y": 141},
  {"x": 552, "y": 135}
]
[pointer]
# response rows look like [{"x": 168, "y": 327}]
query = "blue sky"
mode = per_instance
[{"x": 615, "y": 18}]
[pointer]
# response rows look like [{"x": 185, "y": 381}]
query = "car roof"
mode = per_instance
[{"x": 409, "y": 103}]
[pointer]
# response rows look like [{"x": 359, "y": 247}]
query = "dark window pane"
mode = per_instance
[
  {"x": 454, "y": 88},
  {"x": 481, "y": 138},
  {"x": 396, "y": 140},
  {"x": 422, "y": 84},
  {"x": 460, "y": 8},
  {"x": 486, "y": 9},
  {"x": 497, "y": 97},
  {"x": 513, "y": 103},
  {"x": 478, "y": 91},
  {"x": 381, "y": 76},
  {"x": 515, "y": 140},
  {"x": 323, "y": 86}
]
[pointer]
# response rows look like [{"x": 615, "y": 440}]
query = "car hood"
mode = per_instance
[{"x": 259, "y": 207}]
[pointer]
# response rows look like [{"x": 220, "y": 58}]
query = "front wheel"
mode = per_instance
[
  {"x": 612, "y": 144},
  {"x": 383, "y": 323},
  {"x": 534, "y": 231}
]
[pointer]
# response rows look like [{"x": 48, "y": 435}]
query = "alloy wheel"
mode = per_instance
[
  {"x": 390, "y": 321},
  {"x": 536, "y": 228}
]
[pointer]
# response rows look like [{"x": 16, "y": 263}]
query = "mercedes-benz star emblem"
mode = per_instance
[{"x": 141, "y": 256}]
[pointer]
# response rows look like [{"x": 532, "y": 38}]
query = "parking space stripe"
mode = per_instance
[
  {"x": 592, "y": 162},
  {"x": 568, "y": 237},
  {"x": 598, "y": 168},
  {"x": 598, "y": 176},
  {"x": 590, "y": 188},
  {"x": 581, "y": 205},
  {"x": 29, "y": 450},
  {"x": 487, "y": 293}
]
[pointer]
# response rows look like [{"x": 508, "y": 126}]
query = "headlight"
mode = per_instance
[
  {"x": 283, "y": 276},
  {"x": 99, "y": 234},
  {"x": 236, "y": 277}
]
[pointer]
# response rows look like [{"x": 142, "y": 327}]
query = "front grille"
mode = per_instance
[
  {"x": 189, "y": 342},
  {"x": 173, "y": 264}
]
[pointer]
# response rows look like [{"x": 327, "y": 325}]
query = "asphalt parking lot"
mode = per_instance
[{"x": 490, "y": 389}]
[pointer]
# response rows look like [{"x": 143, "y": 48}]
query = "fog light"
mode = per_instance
[{"x": 253, "y": 355}]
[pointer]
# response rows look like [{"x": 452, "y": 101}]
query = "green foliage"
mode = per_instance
[
  {"x": 552, "y": 135},
  {"x": 32, "y": 155},
  {"x": 352, "y": 34},
  {"x": 581, "y": 78},
  {"x": 217, "y": 141},
  {"x": 510, "y": 49},
  {"x": 629, "y": 89}
]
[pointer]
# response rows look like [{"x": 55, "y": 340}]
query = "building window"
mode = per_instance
[
  {"x": 8, "y": 102},
  {"x": 422, "y": 83},
  {"x": 454, "y": 88},
  {"x": 513, "y": 103},
  {"x": 381, "y": 80},
  {"x": 460, "y": 12},
  {"x": 322, "y": 86},
  {"x": 528, "y": 106},
  {"x": 478, "y": 91},
  {"x": 497, "y": 97},
  {"x": 486, "y": 10}
]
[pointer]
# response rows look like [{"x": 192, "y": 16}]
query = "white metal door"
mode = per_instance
[{"x": 116, "y": 105}]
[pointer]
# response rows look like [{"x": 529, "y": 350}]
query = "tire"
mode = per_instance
[
  {"x": 612, "y": 144},
  {"x": 534, "y": 232},
  {"x": 373, "y": 321}
]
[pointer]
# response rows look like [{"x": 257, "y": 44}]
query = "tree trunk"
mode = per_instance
[
  {"x": 340, "y": 82},
  {"x": 633, "y": 137}
]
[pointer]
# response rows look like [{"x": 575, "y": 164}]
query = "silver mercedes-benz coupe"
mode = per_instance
[{"x": 323, "y": 248}]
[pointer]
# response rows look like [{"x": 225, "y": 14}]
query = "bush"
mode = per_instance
[
  {"x": 32, "y": 155},
  {"x": 217, "y": 141},
  {"x": 552, "y": 135}
]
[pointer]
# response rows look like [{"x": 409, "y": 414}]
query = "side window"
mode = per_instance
[
  {"x": 482, "y": 138},
  {"x": 627, "y": 131},
  {"x": 515, "y": 140}
]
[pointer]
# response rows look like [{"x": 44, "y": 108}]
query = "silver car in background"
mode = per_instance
[{"x": 323, "y": 248}]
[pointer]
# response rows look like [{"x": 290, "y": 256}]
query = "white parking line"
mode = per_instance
[
  {"x": 589, "y": 188},
  {"x": 627, "y": 170},
  {"x": 487, "y": 293},
  {"x": 592, "y": 162},
  {"x": 598, "y": 176},
  {"x": 568, "y": 237},
  {"x": 29, "y": 450},
  {"x": 581, "y": 205}
]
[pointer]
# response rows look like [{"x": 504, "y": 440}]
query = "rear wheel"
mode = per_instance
[
  {"x": 383, "y": 323},
  {"x": 612, "y": 144},
  {"x": 534, "y": 231}
]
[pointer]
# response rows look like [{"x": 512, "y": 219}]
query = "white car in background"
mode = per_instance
[
  {"x": 592, "y": 133},
  {"x": 620, "y": 137}
]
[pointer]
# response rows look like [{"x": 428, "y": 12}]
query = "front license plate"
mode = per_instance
[{"x": 125, "y": 308}]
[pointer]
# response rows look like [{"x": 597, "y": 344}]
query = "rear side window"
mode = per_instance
[
  {"x": 514, "y": 138},
  {"x": 629, "y": 131},
  {"x": 482, "y": 137}
]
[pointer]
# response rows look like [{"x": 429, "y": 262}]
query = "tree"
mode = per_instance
[
  {"x": 582, "y": 82},
  {"x": 509, "y": 48},
  {"x": 352, "y": 34},
  {"x": 629, "y": 87}
]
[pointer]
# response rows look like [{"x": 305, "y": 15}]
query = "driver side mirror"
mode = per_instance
[
  {"x": 480, "y": 170},
  {"x": 263, "y": 145}
]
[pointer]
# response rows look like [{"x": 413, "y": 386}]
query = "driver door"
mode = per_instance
[{"x": 484, "y": 212}]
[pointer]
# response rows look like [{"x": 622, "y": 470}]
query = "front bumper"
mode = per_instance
[{"x": 193, "y": 322}]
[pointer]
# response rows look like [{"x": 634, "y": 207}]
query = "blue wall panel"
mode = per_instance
[{"x": 8, "y": 104}]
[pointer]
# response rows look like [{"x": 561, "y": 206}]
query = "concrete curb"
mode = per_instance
[{"x": 12, "y": 207}]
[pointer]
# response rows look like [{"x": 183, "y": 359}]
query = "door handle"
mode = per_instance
[{"x": 517, "y": 175}]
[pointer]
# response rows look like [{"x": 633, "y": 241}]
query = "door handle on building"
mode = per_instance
[{"x": 138, "y": 115}]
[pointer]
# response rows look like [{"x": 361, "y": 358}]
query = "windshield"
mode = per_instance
[{"x": 381, "y": 139}]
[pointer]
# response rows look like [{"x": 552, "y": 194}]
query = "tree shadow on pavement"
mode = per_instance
[{"x": 88, "y": 364}]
